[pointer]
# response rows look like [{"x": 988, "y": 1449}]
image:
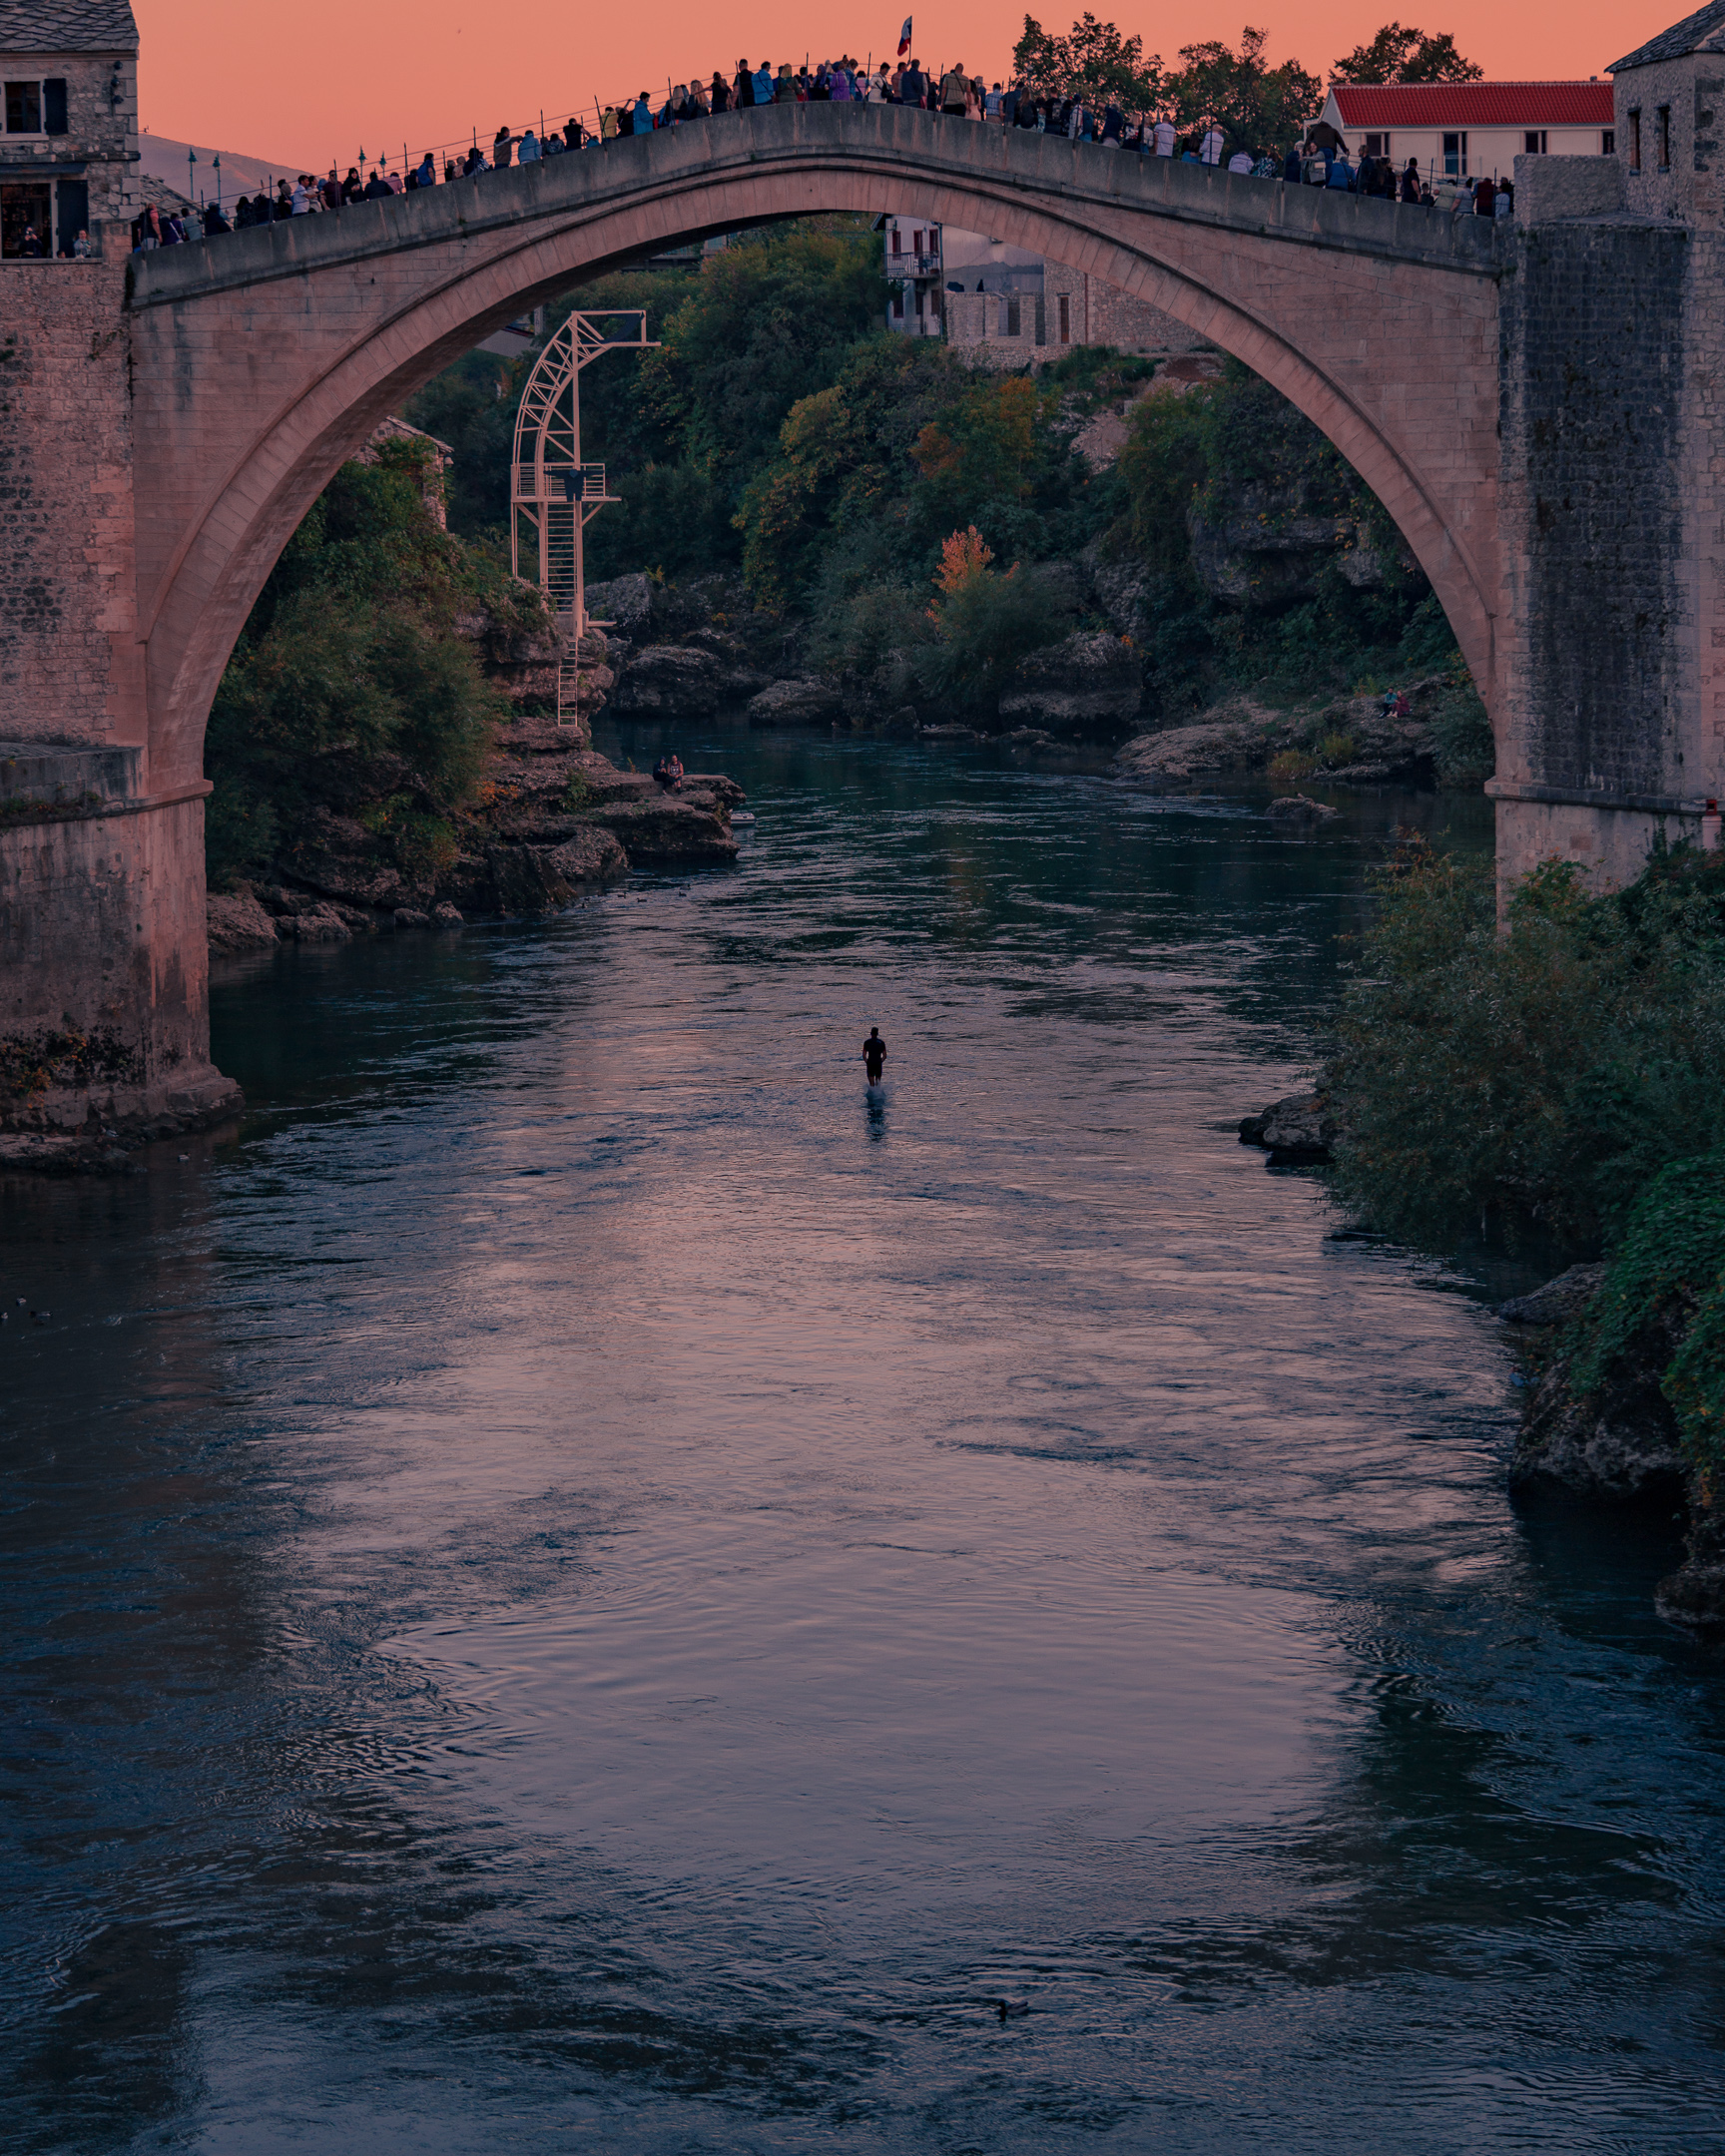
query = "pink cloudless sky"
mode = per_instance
[{"x": 320, "y": 86}]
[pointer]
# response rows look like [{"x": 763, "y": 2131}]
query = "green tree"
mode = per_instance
[
  {"x": 350, "y": 687},
  {"x": 1256, "y": 106},
  {"x": 1397, "y": 55},
  {"x": 1092, "y": 61},
  {"x": 768, "y": 321}
]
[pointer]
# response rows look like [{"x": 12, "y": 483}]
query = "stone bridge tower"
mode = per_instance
[
  {"x": 103, "y": 972},
  {"x": 1611, "y": 498}
]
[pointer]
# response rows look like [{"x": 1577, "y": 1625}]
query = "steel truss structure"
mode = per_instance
[{"x": 552, "y": 494}]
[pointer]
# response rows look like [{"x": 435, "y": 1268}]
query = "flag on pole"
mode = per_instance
[{"x": 904, "y": 38}]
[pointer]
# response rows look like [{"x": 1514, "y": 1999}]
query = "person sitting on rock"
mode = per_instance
[{"x": 669, "y": 770}]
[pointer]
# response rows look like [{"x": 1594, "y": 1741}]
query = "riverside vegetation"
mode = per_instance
[{"x": 1564, "y": 1077}]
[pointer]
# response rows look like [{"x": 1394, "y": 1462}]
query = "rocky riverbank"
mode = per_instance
[
  {"x": 1351, "y": 741},
  {"x": 1604, "y": 1374},
  {"x": 1613, "y": 1438},
  {"x": 556, "y": 819}
]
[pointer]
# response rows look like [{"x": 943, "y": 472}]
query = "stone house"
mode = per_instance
[
  {"x": 69, "y": 122},
  {"x": 1002, "y": 306},
  {"x": 1669, "y": 97}
]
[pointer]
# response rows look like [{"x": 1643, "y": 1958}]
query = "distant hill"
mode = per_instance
[{"x": 162, "y": 158}]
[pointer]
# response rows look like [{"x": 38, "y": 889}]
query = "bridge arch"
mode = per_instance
[{"x": 262, "y": 360}]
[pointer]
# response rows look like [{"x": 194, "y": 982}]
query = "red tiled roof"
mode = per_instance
[{"x": 1474, "y": 105}]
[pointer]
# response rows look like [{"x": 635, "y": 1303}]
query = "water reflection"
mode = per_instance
[{"x": 590, "y": 1592}]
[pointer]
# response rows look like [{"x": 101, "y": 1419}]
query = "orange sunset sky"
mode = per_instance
[{"x": 307, "y": 84}]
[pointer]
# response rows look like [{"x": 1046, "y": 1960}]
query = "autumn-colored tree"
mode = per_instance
[
  {"x": 1397, "y": 55},
  {"x": 964, "y": 556}
]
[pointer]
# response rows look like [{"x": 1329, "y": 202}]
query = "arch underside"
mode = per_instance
[{"x": 1369, "y": 390}]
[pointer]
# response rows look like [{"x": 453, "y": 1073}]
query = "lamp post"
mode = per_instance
[
  {"x": 216, "y": 168},
  {"x": 190, "y": 175}
]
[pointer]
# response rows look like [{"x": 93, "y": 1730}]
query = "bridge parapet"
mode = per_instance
[{"x": 996, "y": 166}]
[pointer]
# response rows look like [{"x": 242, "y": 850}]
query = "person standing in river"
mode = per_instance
[{"x": 874, "y": 1055}]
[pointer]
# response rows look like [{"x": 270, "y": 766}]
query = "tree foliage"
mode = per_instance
[
  {"x": 348, "y": 686},
  {"x": 1094, "y": 61},
  {"x": 1256, "y": 106},
  {"x": 1397, "y": 55}
]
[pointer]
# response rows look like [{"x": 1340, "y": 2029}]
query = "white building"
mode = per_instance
[
  {"x": 1465, "y": 131},
  {"x": 914, "y": 263}
]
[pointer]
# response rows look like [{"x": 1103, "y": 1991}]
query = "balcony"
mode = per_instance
[{"x": 560, "y": 483}]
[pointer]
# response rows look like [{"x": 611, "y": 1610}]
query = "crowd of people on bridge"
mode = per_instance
[{"x": 1320, "y": 159}]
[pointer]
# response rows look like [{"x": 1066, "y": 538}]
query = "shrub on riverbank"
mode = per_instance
[{"x": 1539, "y": 1078}]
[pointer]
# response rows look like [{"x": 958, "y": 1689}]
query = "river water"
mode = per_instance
[{"x": 582, "y": 1584}]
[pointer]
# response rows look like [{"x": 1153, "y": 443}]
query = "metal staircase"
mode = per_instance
[{"x": 552, "y": 494}]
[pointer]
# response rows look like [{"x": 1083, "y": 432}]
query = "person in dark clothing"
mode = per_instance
[
  {"x": 874, "y": 1055},
  {"x": 377, "y": 190},
  {"x": 1410, "y": 183},
  {"x": 213, "y": 220}
]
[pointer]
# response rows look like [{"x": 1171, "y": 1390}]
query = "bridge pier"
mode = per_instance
[{"x": 105, "y": 1009}]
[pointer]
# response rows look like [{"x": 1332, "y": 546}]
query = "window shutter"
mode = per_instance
[{"x": 54, "y": 105}]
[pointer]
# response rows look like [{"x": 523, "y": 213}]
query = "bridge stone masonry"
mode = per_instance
[{"x": 1537, "y": 406}]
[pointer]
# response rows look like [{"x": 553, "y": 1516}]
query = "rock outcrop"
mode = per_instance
[
  {"x": 556, "y": 820},
  {"x": 238, "y": 923},
  {"x": 1618, "y": 1441},
  {"x": 1301, "y": 808},
  {"x": 1353, "y": 741},
  {"x": 799, "y": 702},
  {"x": 1088, "y": 687},
  {"x": 1694, "y": 1595},
  {"x": 1297, "y": 1132}
]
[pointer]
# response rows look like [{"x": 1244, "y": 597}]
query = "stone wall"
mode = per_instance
[
  {"x": 71, "y": 668},
  {"x": 1099, "y": 313}
]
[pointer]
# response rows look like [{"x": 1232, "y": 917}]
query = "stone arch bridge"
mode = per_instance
[{"x": 226, "y": 381}]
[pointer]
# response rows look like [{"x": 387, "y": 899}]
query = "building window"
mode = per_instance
[
  {"x": 918, "y": 302},
  {"x": 1377, "y": 146},
  {"x": 1664, "y": 138},
  {"x": 1608, "y": 143},
  {"x": 26, "y": 208},
  {"x": 1009, "y": 308},
  {"x": 898, "y": 241},
  {"x": 897, "y": 302},
  {"x": 1635, "y": 138},
  {"x": 1533, "y": 142},
  {"x": 1455, "y": 156},
  {"x": 36, "y": 107},
  {"x": 1065, "y": 318}
]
